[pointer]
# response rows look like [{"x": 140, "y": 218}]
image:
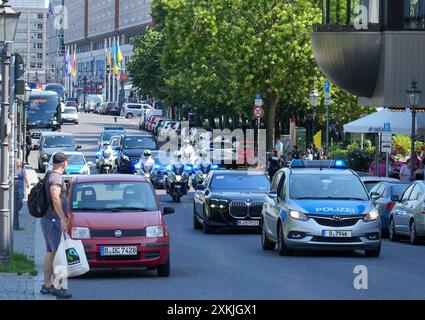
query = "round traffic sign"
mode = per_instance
[{"x": 258, "y": 112}]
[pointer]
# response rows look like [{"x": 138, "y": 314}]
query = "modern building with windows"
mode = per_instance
[
  {"x": 91, "y": 22},
  {"x": 31, "y": 38},
  {"x": 372, "y": 48},
  {"x": 55, "y": 34}
]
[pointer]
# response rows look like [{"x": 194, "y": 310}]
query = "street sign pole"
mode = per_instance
[
  {"x": 258, "y": 114},
  {"x": 327, "y": 103}
]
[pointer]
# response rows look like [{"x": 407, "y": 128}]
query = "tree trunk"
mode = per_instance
[
  {"x": 211, "y": 122},
  {"x": 271, "y": 121},
  {"x": 220, "y": 118}
]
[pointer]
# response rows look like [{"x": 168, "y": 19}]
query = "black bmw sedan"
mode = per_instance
[{"x": 230, "y": 199}]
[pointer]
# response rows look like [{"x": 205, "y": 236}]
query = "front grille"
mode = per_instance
[
  {"x": 336, "y": 240},
  {"x": 241, "y": 209},
  {"x": 238, "y": 209},
  {"x": 117, "y": 258},
  {"x": 328, "y": 221},
  {"x": 111, "y": 233}
]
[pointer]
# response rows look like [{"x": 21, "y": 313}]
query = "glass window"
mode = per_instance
[
  {"x": 251, "y": 182},
  {"x": 140, "y": 143},
  {"x": 338, "y": 12},
  {"x": 416, "y": 193},
  {"x": 407, "y": 193},
  {"x": 327, "y": 186},
  {"x": 114, "y": 196},
  {"x": 276, "y": 181},
  {"x": 397, "y": 190},
  {"x": 415, "y": 14},
  {"x": 59, "y": 141}
]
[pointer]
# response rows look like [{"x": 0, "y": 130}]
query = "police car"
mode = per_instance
[{"x": 319, "y": 205}]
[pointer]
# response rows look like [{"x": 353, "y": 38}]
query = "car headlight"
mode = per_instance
[
  {"x": 298, "y": 215},
  {"x": 218, "y": 203},
  {"x": 125, "y": 157},
  {"x": 178, "y": 178},
  {"x": 155, "y": 232},
  {"x": 80, "y": 233},
  {"x": 372, "y": 216}
]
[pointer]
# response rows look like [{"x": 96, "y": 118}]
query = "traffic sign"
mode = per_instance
[
  {"x": 387, "y": 127},
  {"x": 258, "y": 100},
  {"x": 258, "y": 112},
  {"x": 386, "y": 142},
  {"x": 327, "y": 89}
]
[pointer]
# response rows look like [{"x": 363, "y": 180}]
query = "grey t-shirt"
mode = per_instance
[{"x": 55, "y": 179}]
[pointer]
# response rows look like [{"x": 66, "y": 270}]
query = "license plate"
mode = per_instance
[
  {"x": 248, "y": 223},
  {"x": 118, "y": 251},
  {"x": 337, "y": 234}
]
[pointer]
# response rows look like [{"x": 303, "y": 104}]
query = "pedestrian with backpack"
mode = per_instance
[{"x": 54, "y": 222}]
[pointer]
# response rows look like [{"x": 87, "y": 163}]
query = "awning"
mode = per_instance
[{"x": 400, "y": 122}]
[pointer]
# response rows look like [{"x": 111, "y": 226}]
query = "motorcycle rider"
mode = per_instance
[
  {"x": 188, "y": 152},
  {"x": 146, "y": 161},
  {"x": 177, "y": 159},
  {"x": 107, "y": 156}
]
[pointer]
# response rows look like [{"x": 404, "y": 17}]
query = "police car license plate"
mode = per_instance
[
  {"x": 248, "y": 223},
  {"x": 118, "y": 251},
  {"x": 337, "y": 234}
]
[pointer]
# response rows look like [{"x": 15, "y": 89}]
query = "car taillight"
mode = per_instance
[{"x": 390, "y": 206}]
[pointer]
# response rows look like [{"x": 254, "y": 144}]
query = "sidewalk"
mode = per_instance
[{"x": 30, "y": 242}]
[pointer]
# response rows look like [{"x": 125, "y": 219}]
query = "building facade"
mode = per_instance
[
  {"x": 372, "y": 48},
  {"x": 31, "y": 38},
  {"x": 91, "y": 23},
  {"x": 55, "y": 39}
]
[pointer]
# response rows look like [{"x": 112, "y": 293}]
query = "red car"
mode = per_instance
[
  {"x": 120, "y": 222},
  {"x": 154, "y": 122},
  {"x": 246, "y": 151}
]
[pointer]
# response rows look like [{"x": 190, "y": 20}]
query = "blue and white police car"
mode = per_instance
[{"x": 319, "y": 205}]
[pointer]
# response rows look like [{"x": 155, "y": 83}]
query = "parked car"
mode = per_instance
[
  {"x": 120, "y": 221},
  {"x": 112, "y": 109},
  {"x": 146, "y": 115},
  {"x": 148, "y": 126},
  {"x": 131, "y": 110},
  {"x": 52, "y": 142},
  {"x": 158, "y": 126},
  {"x": 383, "y": 193},
  {"x": 154, "y": 123},
  {"x": 70, "y": 115},
  {"x": 407, "y": 219},
  {"x": 371, "y": 181}
]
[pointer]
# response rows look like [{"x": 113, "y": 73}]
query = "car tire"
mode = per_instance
[
  {"x": 282, "y": 248},
  {"x": 164, "y": 270},
  {"x": 266, "y": 243},
  {"x": 392, "y": 233},
  {"x": 196, "y": 224},
  {"x": 375, "y": 253},
  {"x": 414, "y": 239}
]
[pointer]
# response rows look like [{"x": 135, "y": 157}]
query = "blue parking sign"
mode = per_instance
[
  {"x": 327, "y": 86},
  {"x": 387, "y": 127}
]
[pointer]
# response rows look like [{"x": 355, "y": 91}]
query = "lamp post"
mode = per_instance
[
  {"x": 8, "y": 25},
  {"x": 413, "y": 96},
  {"x": 314, "y": 100},
  {"x": 24, "y": 121},
  {"x": 84, "y": 93}
]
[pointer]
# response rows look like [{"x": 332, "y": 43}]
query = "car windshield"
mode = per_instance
[
  {"x": 140, "y": 143},
  {"x": 240, "y": 182},
  {"x": 75, "y": 159},
  {"x": 113, "y": 196},
  {"x": 398, "y": 189},
  {"x": 326, "y": 186},
  {"x": 107, "y": 135},
  {"x": 70, "y": 111},
  {"x": 58, "y": 141},
  {"x": 42, "y": 110}
]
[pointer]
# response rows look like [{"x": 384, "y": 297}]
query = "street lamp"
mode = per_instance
[
  {"x": 413, "y": 96},
  {"x": 8, "y": 24},
  {"x": 314, "y": 100}
]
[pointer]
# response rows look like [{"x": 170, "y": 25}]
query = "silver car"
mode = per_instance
[
  {"x": 70, "y": 115},
  {"x": 408, "y": 216},
  {"x": 382, "y": 195}
]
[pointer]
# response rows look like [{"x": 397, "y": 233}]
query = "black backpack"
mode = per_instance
[{"x": 38, "y": 203}]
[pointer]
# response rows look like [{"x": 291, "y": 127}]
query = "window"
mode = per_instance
[
  {"x": 40, "y": 16},
  {"x": 414, "y": 14},
  {"x": 276, "y": 181},
  {"x": 416, "y": 194},
  {"x": 407, "y": 193},
  {"x": 343, "y": 12},
  {"x": 282, "y": 190}
]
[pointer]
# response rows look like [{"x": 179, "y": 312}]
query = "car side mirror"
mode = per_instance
[
  {"x": 90, "y": 164},
  {"x": 273, "y": 195},
  {"x": 168, "y": 210},
  {"x": 395, "y": 199},
  {"x": 375, "y": 196},
  {"x": 78, "y": 147},
  {"x": 36, "y": 147},
  {"x": 200, "y": 187}
]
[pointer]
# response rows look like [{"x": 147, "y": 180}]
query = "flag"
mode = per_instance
[
  {"x": 50, "y": 10},
  {"x": 66, "y": 65},
  {"x": 117, "y": 58},
  {"x": 74, "y": 64},
  {"x": 318, "y": 139}
]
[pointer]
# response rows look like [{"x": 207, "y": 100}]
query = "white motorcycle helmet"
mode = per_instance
[
  {"x": 107, "y": 153},
  {"x": 147, "y": 153}
]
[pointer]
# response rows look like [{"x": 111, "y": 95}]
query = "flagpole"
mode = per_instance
[
  {"x": 105, "y": 63},
  {"x": 110, "y": 72},
  {"x": 113, "y": 75}
]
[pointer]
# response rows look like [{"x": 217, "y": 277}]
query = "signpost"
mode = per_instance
[
  {"x": 327, "y": 104},
  {"x": 258, "y": 112},
  {"x": 386, "y": 144}
]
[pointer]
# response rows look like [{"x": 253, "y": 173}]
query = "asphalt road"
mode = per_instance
[{"x": 232, "y": 265}]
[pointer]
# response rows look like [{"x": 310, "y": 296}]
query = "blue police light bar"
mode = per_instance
[
  {"x": 169, "y": 167},
  {"x": 157, "y": 166},
  {"x": 319, "y": 164},
  {"x": 215, "y": 167}
]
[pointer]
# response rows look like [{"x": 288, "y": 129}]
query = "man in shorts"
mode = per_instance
[{"x": 54, "y": 222}]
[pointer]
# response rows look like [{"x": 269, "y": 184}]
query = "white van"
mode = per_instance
[{"x": 131, "y": 110}]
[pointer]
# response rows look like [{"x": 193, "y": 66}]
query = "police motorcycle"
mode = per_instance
[
  {"x": 202, "y": 168},
  {"x": 106, "y": 162},
  {"x": 176, "y": 180},
  {"x": 146, "y": 165}
]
